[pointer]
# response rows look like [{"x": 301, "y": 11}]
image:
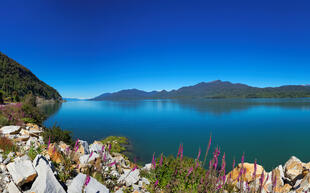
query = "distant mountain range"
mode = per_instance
[
  {"x": 215, "y": 89},
  {"x": 16, "y": 78}
]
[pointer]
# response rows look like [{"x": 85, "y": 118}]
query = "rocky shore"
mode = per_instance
[
  {"x": 58, "y": 168},
  {"x": 36, "y": 166}
]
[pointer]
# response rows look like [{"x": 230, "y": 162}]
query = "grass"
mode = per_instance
[
  {"x": 7, "y": 145},
  {"x": 116, "y": 143}
]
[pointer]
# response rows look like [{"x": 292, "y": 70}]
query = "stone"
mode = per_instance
[
  {"x": 77, "y": 183},
  {"x": 278, "y": 173},
  {"x": 12, "y": 188},
  {"x": 95, "y": 147},
  {"x": 130, "y": 177},
  {"x": 84, "y": 159},
  {"x": 10, "y": 130},
  {"x": 147, "y": 167},
  {"x": 23, "y": 138},
  {"x": 63, "y": 146},
  {"x": 22, "y": 171},
  {"x": 7, "y": 160},
  {"x": 304, "y": 185},
  {"x": 54, "y": 154},
  {"x": 32, "y": 126},
  {"x": 1, "y": 158},
  {"x": 293, "y": 168},
  {"x": 83, "y": 148},
  {"x": 46, "y": 182},
  {"x": 24, "y": 132},
  {"x": 248, "y": 176}
]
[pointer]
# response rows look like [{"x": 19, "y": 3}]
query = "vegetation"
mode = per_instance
[
  {"x": 16, "y": 81},
  {"x": 56, "y": 134},
  {"x": 7, "y": 145},
  {"x": 117, "y": 143},
  {"x": 215, "y": 90},
  {"x": 33, "y": 151}
]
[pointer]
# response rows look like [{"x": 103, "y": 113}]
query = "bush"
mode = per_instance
[
  {"x": 56, "y": 134},
  {"x": 116, "y": 143},
  {"x": 3, "y": 120},
  {"x": 7, "y": 145},
  {"x": 32, "y": 114},
  {"x": 1, "y": 97}
]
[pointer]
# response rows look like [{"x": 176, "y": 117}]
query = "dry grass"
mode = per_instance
[{"x": 7, "y": 144}]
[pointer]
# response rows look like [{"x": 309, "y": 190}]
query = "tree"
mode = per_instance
[
  {"x": 15, "y": 97},
  {"x": 1, "y": 97}
]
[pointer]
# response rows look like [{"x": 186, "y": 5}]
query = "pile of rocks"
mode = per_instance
[
  {"x": 18, "y": 173},
  {"x": 294, "y": 176}
]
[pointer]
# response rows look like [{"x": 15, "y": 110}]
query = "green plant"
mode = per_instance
[
  {"x": 56, "y": 134},
  {"x": 7, "y": 145},
  {"x": 116, "y": 143},
  {"x": 32, "y": 113},
  {"x": 33, "y": 151},
  {"x": 3, "y": 120}
]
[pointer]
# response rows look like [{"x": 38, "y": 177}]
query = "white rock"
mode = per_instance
[
  {"x": 10, "y": 130},
  {"x": 119, "y": 191},
  {"x": 84, "y": 144},
  {"x": 93, "y": 186},
  {"x": 22, "y": 171},
  {"x": 1, "y": 158},
  {"x": 95, "y": 147},
  {"x": 46, "y": 182},
  {"x": 85, "y": 158},
  {"x": 147, "y": 167},
  {"x": 130, "y": 177},
  {"x": 12, "y": 188}
]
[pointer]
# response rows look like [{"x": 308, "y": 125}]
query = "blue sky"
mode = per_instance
[{"x": 85, "y": 48}]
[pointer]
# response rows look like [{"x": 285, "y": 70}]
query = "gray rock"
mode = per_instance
[
  {"x": 1, "y": 158},
  {"x": 7, "y": 160},
  {"x": 119, "y": 191},
  {"x": 10, "y": 130},
  {"x": 95, "y": 147},
  {"x": 85, "y": 158},
  {"x": 12, "y": 188},
  {"x": 22, "y": 171},
  {"x": 84, "y": 144},
  {"x": 130, "y": 177},
  {"x": 93, "y": 186},
  {"x": 46, "y": 181},
  {"x": 147, "y": 167}
]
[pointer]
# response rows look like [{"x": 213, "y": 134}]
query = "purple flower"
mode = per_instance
[
  {"x": 87, "y": 181},
  {"x": 261, "y": 180},
  {"x": 133, "y": 169},
  {"x": 181, "y": 156},
  {"x": 76, "y": 147},
  {"x": 91, "y": 154},
  {"x": 199, "y": 152},
  {"x": 54, "y": 148},
  {"x": 111, "y": 164},
  {"x": 161, "y": 160},
  {"x": 104, "y": 157},
  {"x": 233, "y": 165},
  {"x": 189, "y": 171},
  {"x": 110, "y": 146},
  {"x": 255, "y": 169},
  {"x": 179, "y": 151},
  {"x": 153, "y": 161},
  {"x": 156, "y": 183}
]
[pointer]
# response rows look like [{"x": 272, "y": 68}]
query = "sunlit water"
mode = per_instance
[{"x": 269, "y": 130}]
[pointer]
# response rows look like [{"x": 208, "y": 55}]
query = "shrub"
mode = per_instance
[
  {"x": 56, "y": 134},
  {"x": 32, "y": 113},
  {"x": 7, "y": 145},
  {"x": 33, "y": 152},
  {"x": 3, "y": 120},
  {"x": 116, "y": 143},
  {"x": 1, "y": 97}
]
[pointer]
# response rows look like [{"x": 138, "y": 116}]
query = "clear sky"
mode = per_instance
[{"x": 84, "y": 48}]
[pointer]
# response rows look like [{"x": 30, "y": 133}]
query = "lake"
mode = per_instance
[{"x": 269, "y": 130}]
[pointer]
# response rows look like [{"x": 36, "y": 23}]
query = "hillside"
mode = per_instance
[
  {"x": 16, "y": 78},
  {"x": 214, "y": 89}
]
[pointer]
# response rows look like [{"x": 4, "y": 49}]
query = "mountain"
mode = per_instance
[
  {"x": 17, "y": 78},
  {"x": 214, "y": 89}
]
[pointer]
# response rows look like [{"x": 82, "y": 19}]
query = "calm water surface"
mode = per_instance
[{"x": 269, "y": 130}]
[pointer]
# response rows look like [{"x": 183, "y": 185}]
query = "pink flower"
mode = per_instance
[
  {"x": 153, "y": 161},
  {"x": 104, "y": 157},
  {"x": 87, "y": 181},
  {"x": 189, "y": 171},
  {"x": 91, "y": 154},
  {"x": 110, "y": 146},
  {"x": 199, "y": 152},
  {"x": 156, "y": 183},
  {"x": 76, "y": 145},
  {"x": 111, "y": 164},
  {"x": 161, "y": 160},
  {"x": 133, "y": 169},
  {"x": 255, "y": 169},
  {"x": 261, "y": 180},
  {"x": 181, "y": 156}
]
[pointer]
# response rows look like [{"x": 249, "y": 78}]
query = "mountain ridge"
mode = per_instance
[
  {"x": 15, "y": 77},
  {"x": 213, "y": 89}
]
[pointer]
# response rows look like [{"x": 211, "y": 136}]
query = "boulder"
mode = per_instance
[
  {"x": 130, "y": 177},
  {"x": 10, "y": 130},
  {"x": 78, "y": 182},
  {"x": 12, "y": 188},
  {"x": 46, "y": 182},
  {"x": 83, "y": 148},
  {"x": 84, "y": 159},
  {"x": 293, "y": 168},
  {"x": 248, "y": 176},
  {"x": 54, "y": 153},
  {"x": 22, "y": 171},
  {"x": 278, "y": 173},
  {"x": 304, "y": 185},
  {"x": 96, "y": 147}
]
